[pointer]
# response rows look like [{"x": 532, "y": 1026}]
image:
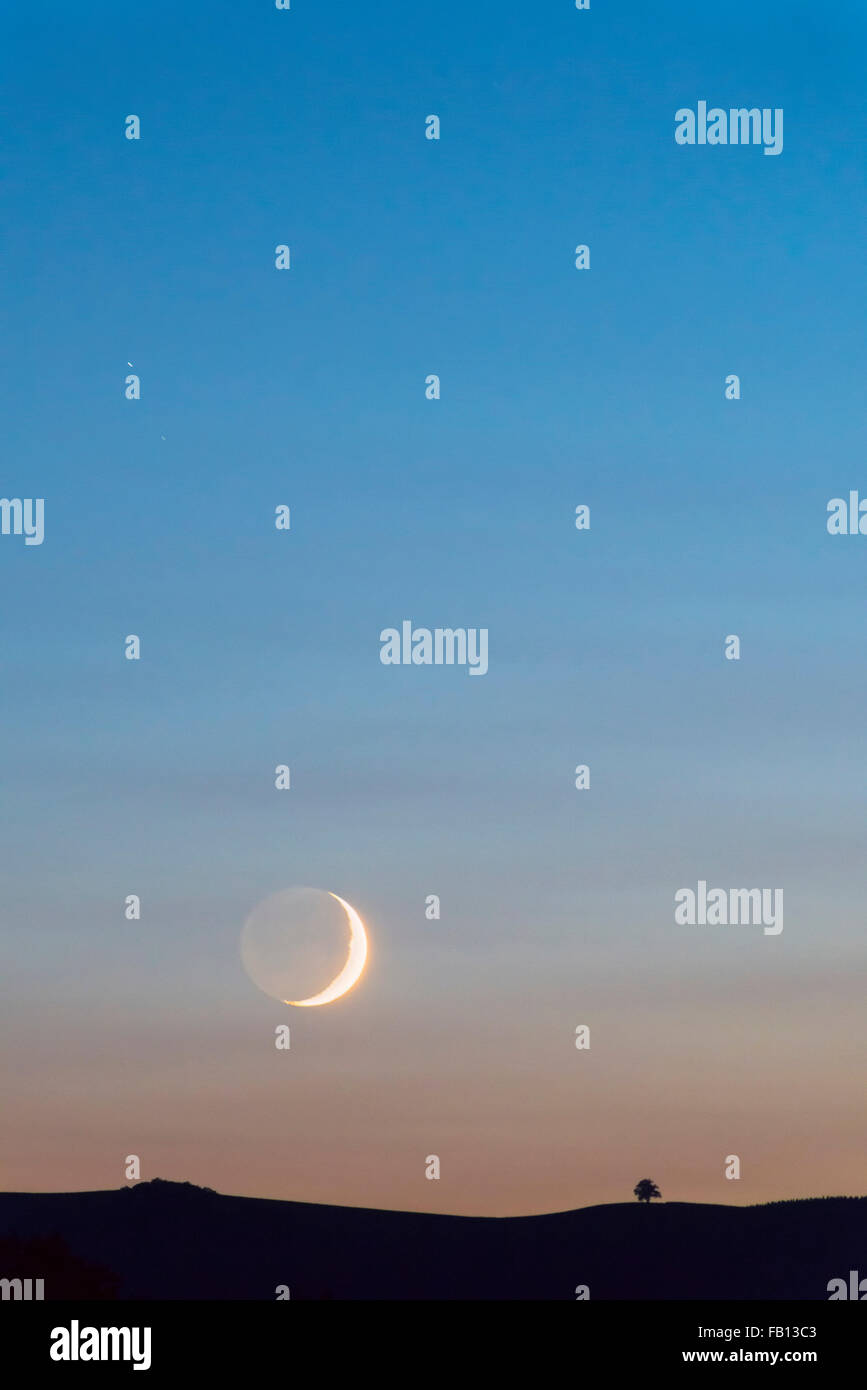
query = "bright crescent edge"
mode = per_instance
[{"x": 351, "y": 971}]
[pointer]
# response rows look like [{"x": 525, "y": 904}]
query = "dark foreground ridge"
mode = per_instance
[{"x": 167, "y": 1240}]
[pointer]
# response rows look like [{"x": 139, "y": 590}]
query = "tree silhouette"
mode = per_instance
[
  {"x": 646, "y": 1189},
  {"x": 66, "y": 1274}
]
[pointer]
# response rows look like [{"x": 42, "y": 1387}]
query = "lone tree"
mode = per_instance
[{"x": 646, "y": 1189}]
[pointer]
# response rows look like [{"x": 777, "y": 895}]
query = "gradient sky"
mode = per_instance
[{"x": 605, "y": 387}]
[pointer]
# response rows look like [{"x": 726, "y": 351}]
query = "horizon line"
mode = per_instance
[{"x": 404, "y": 1211}]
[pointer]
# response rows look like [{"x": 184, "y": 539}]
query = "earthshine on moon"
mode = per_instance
[
  {"x": 295, "y": 941},
  {"x": 351, "y": 971}
]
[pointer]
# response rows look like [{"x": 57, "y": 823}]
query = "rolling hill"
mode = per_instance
[{"x": 167, "y": 1240}]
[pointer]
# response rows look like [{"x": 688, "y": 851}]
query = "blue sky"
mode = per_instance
[{"x": 559, "y": 387}]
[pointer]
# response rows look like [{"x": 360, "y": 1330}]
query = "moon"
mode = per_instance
[{"x": 351, "y": 971}]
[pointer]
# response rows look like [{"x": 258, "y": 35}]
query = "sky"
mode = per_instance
[{"x": 305, "y": 387}]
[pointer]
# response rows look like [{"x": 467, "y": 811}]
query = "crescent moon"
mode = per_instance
[{"x": 351, "y": 971}]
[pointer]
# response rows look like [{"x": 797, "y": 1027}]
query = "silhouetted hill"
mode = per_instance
[{"x": 177, "y": 1241}]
